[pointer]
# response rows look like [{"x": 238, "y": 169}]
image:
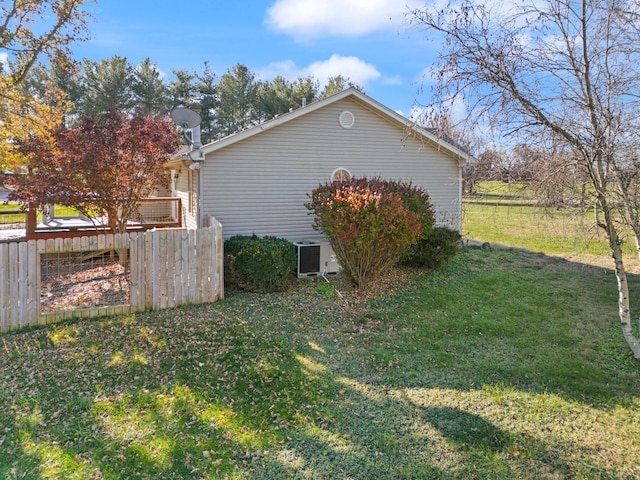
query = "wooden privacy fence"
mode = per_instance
[{"x": 166, "y": 268}]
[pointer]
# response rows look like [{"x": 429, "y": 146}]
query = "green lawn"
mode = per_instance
[
  {"x": 10, "y": 218},
  {"x": 536, "y": 229},
  {"x": 503, "y": 365},
  {"x": 20, "y": 217},
  {"x": 502, "y": 188}
]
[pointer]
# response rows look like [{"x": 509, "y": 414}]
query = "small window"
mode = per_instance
[{"x": 340, "y": 175}]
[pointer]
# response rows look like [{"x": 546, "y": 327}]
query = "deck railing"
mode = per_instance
[{"x": 157, "y": 212}]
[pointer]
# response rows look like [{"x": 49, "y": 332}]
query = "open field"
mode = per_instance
[
  {"x": 501, "y": 193},
  {"x": 534, "y": 228},
  {"x": 503, "y": 365},
  {"x": 502, "y": 188},
  {"x": 568, "y": 234}
]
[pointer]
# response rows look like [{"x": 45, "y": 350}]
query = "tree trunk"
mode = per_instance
[
  {"x": 623, "y": 304},
  {"x": 624, "y": 310},
  {"x": 631, "y": 213},
  {"x": 117, "y": 226}
]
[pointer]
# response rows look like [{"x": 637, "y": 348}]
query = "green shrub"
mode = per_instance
[
  {"x": 434, "y": 250},
  {"x": 237, "y": 242},
  {"x": 417, "y": 201},
  {"x": 259, "y": 264},
  {"x": 370, "y": 223}
]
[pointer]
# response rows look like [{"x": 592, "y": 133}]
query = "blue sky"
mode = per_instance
[{"x": 369, "y": 41}]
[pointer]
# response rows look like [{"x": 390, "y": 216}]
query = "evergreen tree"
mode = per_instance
[
  {"x": 304, "y": 87},
  {"x": 182, "y": 89},
  {"x": 337, "y": 84},
  {"x": 273, "y": 98},
  {"x": 207, "y": 96},
  {"x": 65, "y": 79},
  {"x": 237, "y": 109},
  {"x": 149, "y": 91},
  {"x": 280, "y": 96},
  {"x": 107, "y": 85}
]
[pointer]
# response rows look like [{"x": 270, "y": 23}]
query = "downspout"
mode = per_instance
[
  {"x": 200, "y": 195},
  {"x": 196, "y": 145}
]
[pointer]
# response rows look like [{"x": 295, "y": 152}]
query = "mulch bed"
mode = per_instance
[{"x": 72, "y": 281}]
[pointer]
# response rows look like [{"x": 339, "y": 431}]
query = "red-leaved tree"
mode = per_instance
[{"x": 103, "y": 167}]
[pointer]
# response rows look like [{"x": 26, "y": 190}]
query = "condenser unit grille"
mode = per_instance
[
  {"x": 308, "y": 259},
  {"x": 315, "y": 259}
]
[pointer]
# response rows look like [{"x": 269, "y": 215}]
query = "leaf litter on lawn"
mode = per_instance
[{"x": 301, "y": 384}]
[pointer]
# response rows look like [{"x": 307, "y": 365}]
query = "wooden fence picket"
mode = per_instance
[{"x": 166, "y": 268}]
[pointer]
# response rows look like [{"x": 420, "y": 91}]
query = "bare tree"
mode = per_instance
[
  {"x": 561, "y": 69},
  {"x": 30, "y": 28}
]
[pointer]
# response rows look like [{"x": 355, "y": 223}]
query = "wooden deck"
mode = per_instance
[{"x": 160, "y": 212}]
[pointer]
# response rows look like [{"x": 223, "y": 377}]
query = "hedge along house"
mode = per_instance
[{"x": 257, "y": 181}]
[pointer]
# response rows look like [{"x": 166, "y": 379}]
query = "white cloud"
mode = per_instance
[
  {"x": 420, "y": 115},
  {"x": 357, "y": 70},
  {"x": 286, "y": 68},
  {"x": 4, "y": 58},
  {"x": 308, "y": 19}
]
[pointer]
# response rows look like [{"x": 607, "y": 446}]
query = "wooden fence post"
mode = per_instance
[{"x": 31, "y": 222}]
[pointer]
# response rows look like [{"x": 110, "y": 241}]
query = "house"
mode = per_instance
[{"x": 257, "y": 181}]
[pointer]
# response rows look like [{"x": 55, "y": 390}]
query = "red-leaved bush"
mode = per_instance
[{"x": 370, "y": 223}]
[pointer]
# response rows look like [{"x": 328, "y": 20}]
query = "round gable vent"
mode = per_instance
[{"x": 346, "y": 119}]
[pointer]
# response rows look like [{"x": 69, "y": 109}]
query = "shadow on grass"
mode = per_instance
[
  {"x": 291, "y": 386},
  {"x": 177, "y": 397},
  {"x": 190, "y": 394},
  {"x": 391, "y": 438},
  {"x": 538, "y": 324},
  {"x": 467, "y": 429}
]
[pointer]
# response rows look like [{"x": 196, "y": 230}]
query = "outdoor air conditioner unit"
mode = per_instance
[{"x": 315, "y": 258}]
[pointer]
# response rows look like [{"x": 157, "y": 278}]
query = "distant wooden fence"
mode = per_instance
[{"x": 167, "y": 268}]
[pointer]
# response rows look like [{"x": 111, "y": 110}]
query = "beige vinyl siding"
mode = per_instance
[
  {"x": 260, "y": 184},
  {"x": 189, "y": 215}
]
